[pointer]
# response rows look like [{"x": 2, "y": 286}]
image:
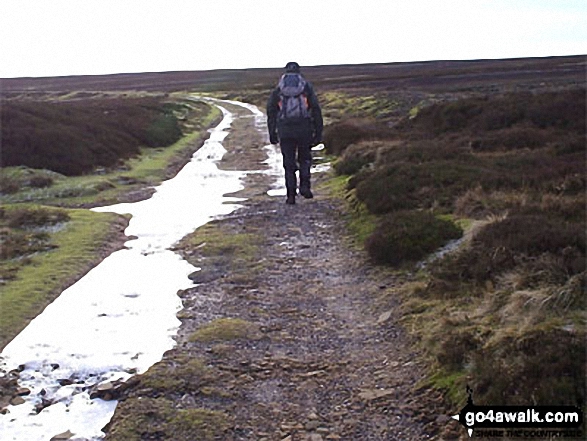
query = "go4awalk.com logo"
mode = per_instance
[{"x": 521, "y": 421}]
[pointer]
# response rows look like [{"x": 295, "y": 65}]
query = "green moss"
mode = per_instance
[
  {"x": 176, "y": 376},
  {"x": 225, "y": 329},
  {"x": 213, "y": 243},
  {"x": 159, "y": 418},
  {"x": 201, "y": 424},
  {"x": 454, "y": 384}
]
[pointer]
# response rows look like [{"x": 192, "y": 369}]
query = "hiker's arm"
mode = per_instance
[
  {"x": 272, "y": 110},
  {"x": 316, "y": 113}
]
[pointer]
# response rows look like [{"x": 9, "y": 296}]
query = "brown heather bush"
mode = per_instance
[
  {"x": 357, "y": 156},
  {"x": 19, "y": 243},
  {"x": 75, "y": 137},
  {"x": 338, "y": 136},
  {"x": 531, "y": 235},
  {"x": 559, "y": 110},
  {"x": 418, "y": 185},
  {"x": 41, "y": 181},
  {"x": 408, "y": 236},
  {"x": 519, "y": 242},
  {"x": 35, "y": 217},
  {"x": 544, "y": 366}
]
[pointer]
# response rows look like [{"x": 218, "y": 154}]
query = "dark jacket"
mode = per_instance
[{"x": 310, "y": 128}]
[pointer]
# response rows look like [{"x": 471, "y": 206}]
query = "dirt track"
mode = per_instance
[{"x": 286, "y": 337}]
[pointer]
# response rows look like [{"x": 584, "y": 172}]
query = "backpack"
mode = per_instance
[{"x": 293, "y": 102}]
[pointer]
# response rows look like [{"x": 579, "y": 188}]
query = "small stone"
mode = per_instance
[
  {"x": 105, "y": 386},
  {"x": 374, "y": 394},
  {"x": 384, "y": 317},
  {"x": 62, "y": 436},
  {"x": 17, "y": 401},
  {"x": 23, "y": 391},
  {"x": 313, "y": 416},
  {"x": 312, "y": 425}
]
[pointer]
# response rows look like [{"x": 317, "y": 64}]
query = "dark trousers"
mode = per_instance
[{"x": 297, "y": 155}]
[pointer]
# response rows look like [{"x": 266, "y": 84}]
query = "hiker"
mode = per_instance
[{"x": 295, "y": 122}]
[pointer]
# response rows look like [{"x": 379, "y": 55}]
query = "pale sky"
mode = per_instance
[{"x": 73, "y": 37}]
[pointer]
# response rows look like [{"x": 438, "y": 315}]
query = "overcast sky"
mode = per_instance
[{"x": 71, "y": 37}]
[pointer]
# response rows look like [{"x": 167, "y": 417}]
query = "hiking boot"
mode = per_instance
[
  {"x": 306, "y": 192},
  {"x": 291, "y": 200}
]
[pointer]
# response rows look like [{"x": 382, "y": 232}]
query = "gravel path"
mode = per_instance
[{"x": 290, "y": 334}]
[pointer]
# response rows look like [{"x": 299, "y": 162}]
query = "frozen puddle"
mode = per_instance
[{"x": 121, "y": 317}]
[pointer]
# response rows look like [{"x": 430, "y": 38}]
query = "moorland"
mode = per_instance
[{"x": 487, "y": 156}]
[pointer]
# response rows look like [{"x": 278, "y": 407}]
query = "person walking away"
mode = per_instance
[{"x": 294, "y": 120}]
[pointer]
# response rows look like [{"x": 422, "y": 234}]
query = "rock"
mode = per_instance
[
  {"x": 42, "y": 405},
  {"x": 374, "y": 394},
  {"x": 384, "y": 317},
  {"x": 17, "y": 401},
  {"x": 312, "y": 425},
  {"x": 62, "y": 436},
  {"x": 112, "y": 390},
  {"x": 23, "y": 392},
  {"x": 102, "y": 387}
]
